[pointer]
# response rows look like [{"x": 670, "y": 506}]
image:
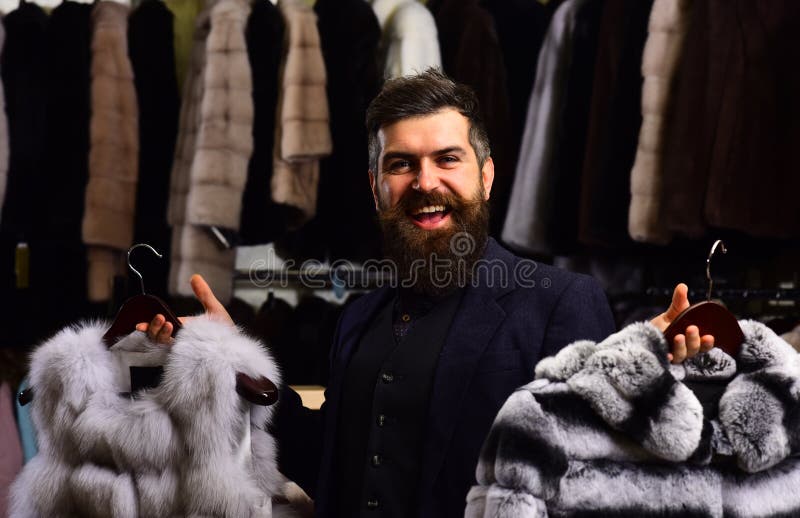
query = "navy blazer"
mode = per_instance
[{"x": 504, "y": 326}]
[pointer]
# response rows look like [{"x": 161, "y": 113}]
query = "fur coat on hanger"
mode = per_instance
[
  {"x": 611, "y": 429},
  {"x": 302, "y": 131},
  {"x": 213, "y": 150},
  {"x": 190, "y": 446},
  {"x": 108, "y": 217}
]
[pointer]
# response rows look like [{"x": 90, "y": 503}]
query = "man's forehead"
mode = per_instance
[{"x": 445, "y": 128}]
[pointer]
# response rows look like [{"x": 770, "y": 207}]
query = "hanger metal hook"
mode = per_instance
[
  {"x": 134, "y": 270},
  {"x": 719, "y": 243}
]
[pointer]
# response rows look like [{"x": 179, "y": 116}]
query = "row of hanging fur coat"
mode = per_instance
[
  {"x": 213, "y": 149},
  {"x": 190, "y": 446},
  {"x": 612, "y": 429}
]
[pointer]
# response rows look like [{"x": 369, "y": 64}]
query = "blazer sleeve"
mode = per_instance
[{"x": 581, "y": 313}]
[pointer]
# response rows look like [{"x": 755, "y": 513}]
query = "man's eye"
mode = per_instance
[
  {"x": 399, "y": 165},
  {"x": 448, "y": 159}
]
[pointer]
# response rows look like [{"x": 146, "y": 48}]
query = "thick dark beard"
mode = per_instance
[{"x": 435, "y": 262}]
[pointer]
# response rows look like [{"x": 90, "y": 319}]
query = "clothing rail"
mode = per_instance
[{"x": 789, "y": 294}]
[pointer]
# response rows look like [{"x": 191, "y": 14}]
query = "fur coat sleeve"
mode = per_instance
[
  {"x": 191, "y": 446},
  {"x": 302, "y": 133},
  {"x": 611, "y": 429},
  {"x": 110, "y": 198},
  {"x": 213, "y": 149}
]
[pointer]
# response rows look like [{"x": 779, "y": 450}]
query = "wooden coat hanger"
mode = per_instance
[
  {"x": 711, "y": 318},
  {"x": 139, "y": 308}
]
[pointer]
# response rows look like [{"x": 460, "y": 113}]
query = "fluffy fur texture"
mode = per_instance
[
  {"x": 669, "y": 21},
  {"x": 302, "y": 133},
  {"x": 410, "y": 42},
  {"x": 608, "y": 429},
  {"x": 190, "y": 447},
  {"x": 108, "y": 217},
  {"x": 214, "y": 145}
]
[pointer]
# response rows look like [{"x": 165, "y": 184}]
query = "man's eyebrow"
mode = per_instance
[
  {"x": 389, "y": 155},
  {"x": 450, "y": 150}
]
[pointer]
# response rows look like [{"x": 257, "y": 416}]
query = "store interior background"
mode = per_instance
[{"x": 749, "y": 56}]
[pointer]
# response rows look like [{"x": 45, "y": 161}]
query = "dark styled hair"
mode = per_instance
[{"x": 424, "y": 94}]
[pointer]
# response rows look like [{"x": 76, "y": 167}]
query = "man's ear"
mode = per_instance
[
  {"x": 373, "y": 185},
  {"x": 487, "y": 174}
]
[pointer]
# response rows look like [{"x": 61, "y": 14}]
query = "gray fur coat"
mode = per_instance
[
  {"x": 610, "y": 429},
  {"x": 189, "y": 447}
]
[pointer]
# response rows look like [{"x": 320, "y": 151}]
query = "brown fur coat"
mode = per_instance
[{"x": 114, "y": 151}]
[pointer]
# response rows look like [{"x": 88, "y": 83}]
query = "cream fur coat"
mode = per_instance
[
  {"x": 110, "y": 206},
  {"x": 669, "y": 21},
  {"x": 191, "y": 446},
  {"x": 214, "y": 145},
  {"x": 410, "y": 42}
]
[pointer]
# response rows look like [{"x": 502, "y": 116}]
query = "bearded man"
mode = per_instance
[{"x": 420, "y": 369}]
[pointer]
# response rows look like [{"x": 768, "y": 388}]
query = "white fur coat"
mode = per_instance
[
  {"x": 610, "y": 429},
  {"x": 410, "y": 42},
  {"x": 189, "y": 447},
  {"x": 213, "y": 150}
]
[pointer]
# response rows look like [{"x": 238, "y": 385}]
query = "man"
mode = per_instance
[{"x": 419, "y": 371}]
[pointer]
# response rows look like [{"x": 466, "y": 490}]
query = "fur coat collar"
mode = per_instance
[
  {"x": 190, "y": 446},
  {"x": 615, "y": 418}
]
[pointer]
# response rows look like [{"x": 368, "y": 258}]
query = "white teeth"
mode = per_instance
[{"x": 430, "y": 208}]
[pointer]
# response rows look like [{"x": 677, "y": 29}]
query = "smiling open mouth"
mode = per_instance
[{"x": 430, "y": 215}]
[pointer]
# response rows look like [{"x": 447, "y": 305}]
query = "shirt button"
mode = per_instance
[
  {"x": 381, "y": 420},
  {"x": 406, "y": 317},
  {"x": 377, "y": 460},
  {"x": 387, "y": 377},
  {"x": 372, "y": 503}
]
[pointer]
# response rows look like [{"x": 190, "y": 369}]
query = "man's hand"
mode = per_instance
[
  {"x": 684, "y": 345},
  {"x": 159, "y": 330}
]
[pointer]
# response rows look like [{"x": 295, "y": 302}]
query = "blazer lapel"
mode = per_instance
[{"x": 470, "y": 334}]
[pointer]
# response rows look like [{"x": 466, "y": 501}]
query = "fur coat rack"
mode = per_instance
[{"x": 611, "y": 429}]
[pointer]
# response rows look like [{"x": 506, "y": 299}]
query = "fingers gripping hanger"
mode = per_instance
[
  {"x": 142, "y": 308},
  {"x": 139, "y": 308},
  {"x": 711, "y": 318}
]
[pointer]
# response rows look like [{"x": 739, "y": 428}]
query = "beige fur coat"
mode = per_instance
[
  {"x": 669, "y": 21},
  {"x": 302, "y": 132},
  {"x": 108, "y": 218},
  {"x": 215, "y": 142}
]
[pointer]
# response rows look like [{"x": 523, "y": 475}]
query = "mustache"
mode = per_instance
[{"x": 414, "y": 200}]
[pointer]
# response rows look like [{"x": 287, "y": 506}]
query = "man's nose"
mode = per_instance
[{"x": 427, "y": 179}]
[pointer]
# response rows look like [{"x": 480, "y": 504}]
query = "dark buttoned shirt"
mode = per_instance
[{"x": 384, "y": 406}]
